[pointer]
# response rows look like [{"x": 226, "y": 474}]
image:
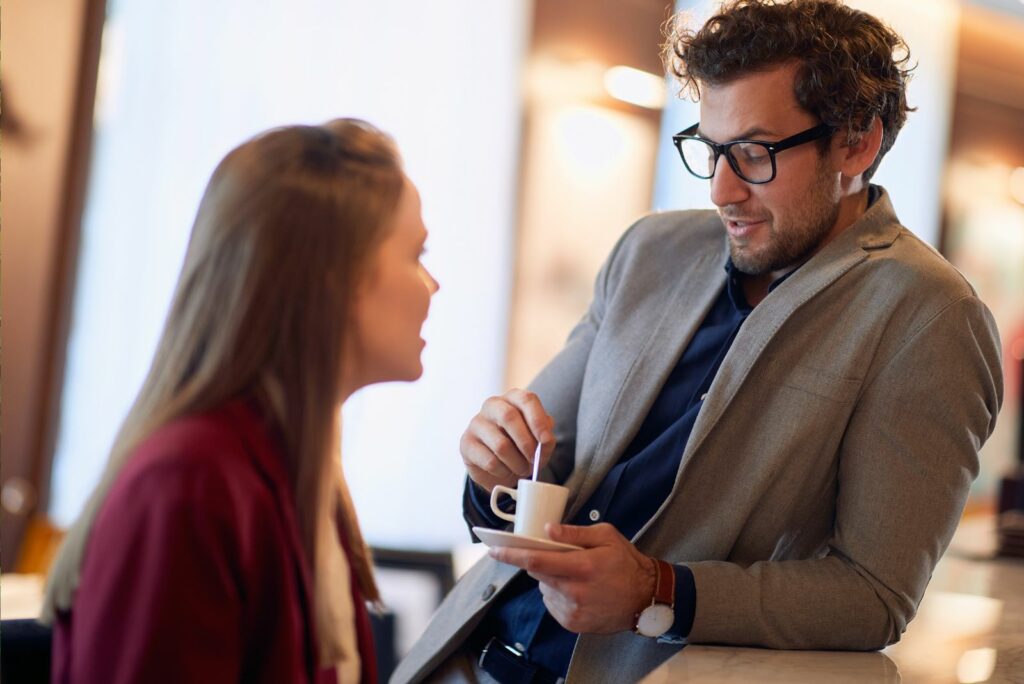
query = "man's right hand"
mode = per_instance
[{"x": 499, "y": 443}]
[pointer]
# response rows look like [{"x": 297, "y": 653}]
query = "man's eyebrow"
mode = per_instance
[
  {"x": 759, "y": 132},
  {"x": 750, "y": 134}
]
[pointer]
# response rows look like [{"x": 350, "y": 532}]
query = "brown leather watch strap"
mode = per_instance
[{"x": 665, "y": 586}]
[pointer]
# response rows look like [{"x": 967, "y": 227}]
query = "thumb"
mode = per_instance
[{"x": 580, "y": 535}]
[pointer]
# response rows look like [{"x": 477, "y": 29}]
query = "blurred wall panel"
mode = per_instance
[
  {"x": 588, "y": 163},
  {"x": 42, "y": 41}
]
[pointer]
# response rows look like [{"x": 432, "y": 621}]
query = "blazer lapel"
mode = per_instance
[{"x": 623, "y": 393}]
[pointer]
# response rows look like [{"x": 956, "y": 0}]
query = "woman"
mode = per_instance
[{"x": 221, "y": 543}]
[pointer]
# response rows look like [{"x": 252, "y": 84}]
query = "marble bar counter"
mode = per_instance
[{"x": 969, "y": 628}]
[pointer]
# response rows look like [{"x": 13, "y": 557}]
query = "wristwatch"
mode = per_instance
[{"x": 657, "y": 618}]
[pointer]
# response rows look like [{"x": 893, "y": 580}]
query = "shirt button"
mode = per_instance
[
  {"x": 488, "y": 592},
  {"x": 595, "y": 515},
  {"x": 519, "y": 647},
  {"x": 704, "y": 396}
]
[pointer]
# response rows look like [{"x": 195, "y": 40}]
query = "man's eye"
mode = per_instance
[{"x": 754, "y": 154}]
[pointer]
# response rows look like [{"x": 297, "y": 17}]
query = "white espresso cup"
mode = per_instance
[{"x": 537, "y": 503}]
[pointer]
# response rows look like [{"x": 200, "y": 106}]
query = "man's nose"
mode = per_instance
[{"x": 726, "y": 187}]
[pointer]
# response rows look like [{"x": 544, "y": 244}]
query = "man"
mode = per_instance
[{"x": 792, "y": 437}]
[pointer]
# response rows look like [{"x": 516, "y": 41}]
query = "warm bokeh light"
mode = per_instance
[
  {"x": 976, "y": 665},
  {"x": 551, "y": 80},
  {"x": 1017, "y": 349},
  {"x": 976, "y": 615},
  {"x": 1017, "y": 182},
  {"x": 635, "y": 87}
]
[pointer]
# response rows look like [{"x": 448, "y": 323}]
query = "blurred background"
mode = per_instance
[{"x": 537, "y": 132}]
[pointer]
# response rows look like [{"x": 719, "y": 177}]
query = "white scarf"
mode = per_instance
[{"x": 333, "y": 595}]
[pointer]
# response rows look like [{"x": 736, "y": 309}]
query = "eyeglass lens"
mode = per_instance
[{"x": 752, "y": 161}]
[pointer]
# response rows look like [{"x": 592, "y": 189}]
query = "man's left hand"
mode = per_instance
[{"x": 599, "y": 589}]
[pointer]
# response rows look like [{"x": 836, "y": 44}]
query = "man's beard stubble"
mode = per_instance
[{"x": 794, "y": 242}]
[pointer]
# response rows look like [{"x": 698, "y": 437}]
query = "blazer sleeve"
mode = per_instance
[
  {"x": 164, "y": 601},
  {"x": 906, "y": 463}
]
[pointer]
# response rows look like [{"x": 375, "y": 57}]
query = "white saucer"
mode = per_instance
[{"x": 520, "y": 541}]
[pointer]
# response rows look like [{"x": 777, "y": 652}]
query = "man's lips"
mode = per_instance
[{"x": 742, "y": 227}]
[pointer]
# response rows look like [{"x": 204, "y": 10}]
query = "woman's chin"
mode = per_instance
[
  {"x": 407, "y": 373},
  {"x": 417, "y": 371}
]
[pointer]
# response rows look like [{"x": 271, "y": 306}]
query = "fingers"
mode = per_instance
[
  {"x": 560, "y": 603},
  {"x": 573, "y": 606},
  {"x": 519, "y": 415},
  {"x": 483, "y": 465},
  {"x": 587, "y": 536},
  {"x": 487, "y": 447},
  {"x": 549, "y": 566},
  {"x": 498, "y": 445},
  {"x": 538, "y": 421},
  {"x": 575, "y": 565}
]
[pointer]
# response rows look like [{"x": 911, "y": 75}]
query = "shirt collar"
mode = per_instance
[{"x": 735, "y": 289}]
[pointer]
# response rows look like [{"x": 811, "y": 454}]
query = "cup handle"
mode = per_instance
[{"x": 499, "y": 489}]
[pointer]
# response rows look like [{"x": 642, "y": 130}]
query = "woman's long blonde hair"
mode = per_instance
[{"x": 283, "y": 235}]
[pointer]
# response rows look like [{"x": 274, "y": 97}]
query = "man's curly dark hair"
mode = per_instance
[{"x": 852, "y": 66}]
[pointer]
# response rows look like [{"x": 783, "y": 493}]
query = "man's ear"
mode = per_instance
[{"x": 855, "y": 158}]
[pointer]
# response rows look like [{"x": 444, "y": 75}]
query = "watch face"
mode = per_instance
[{"x": 655, "y": 620}]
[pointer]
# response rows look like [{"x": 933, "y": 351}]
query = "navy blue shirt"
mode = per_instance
[{"x": 634, "y": 488}]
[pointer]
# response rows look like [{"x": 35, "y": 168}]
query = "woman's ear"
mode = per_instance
[{"x": 857, "y": 157}]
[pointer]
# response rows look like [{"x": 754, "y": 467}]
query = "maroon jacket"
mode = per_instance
[{"x": 194, "y": 571}]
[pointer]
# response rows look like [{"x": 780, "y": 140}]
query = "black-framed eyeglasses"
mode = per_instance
[{"x": 752, "y": 160}]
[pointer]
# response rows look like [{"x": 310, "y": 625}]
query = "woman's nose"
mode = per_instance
[{"x": 432, "y": 285}]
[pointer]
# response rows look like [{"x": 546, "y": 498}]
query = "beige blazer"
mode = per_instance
[{"x": 829, "y": 464}]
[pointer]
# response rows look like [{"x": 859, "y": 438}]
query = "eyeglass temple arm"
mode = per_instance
[{"x": 800, "y": 138}]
